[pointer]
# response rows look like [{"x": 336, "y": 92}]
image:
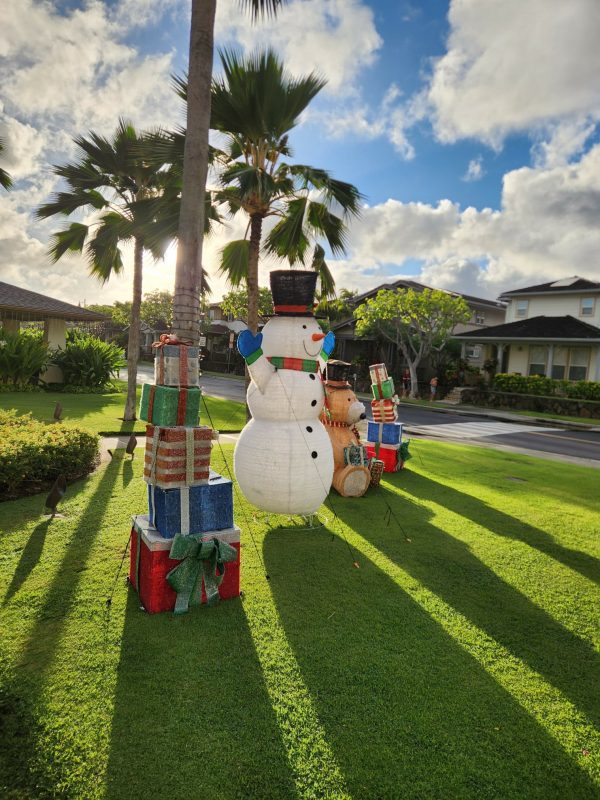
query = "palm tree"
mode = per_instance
[
  {"x": 5, "y": 179},
  {"x": 188, "y": 275},
  {"x": 111, "y": 177},
  {"x": 255, "y": 105}
]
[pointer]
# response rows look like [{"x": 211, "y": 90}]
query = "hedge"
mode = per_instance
[
  {"x": 33, "y": 454},
  {"x": 546, "y": 387}
]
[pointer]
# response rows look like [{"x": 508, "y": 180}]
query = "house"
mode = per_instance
[
  {"x": 551, "y": 329},
  {"x": 217, "y": 341},
  {"x": 21, "y": 305},
  {"x": 350, "y": 348}
]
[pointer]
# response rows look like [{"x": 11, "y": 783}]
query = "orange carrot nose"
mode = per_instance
[{"x": 316, "y": 337}]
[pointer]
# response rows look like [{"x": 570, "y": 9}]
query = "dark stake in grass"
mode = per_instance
[
  {"x": 57, "y": 412},
  {"x": 56, "y": 494},
  {"x": 131, "y": 445}
]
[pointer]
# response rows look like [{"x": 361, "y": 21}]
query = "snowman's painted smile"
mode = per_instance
[{"x": 308, "y": 353}]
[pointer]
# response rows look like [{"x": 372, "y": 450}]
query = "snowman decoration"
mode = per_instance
[{"x": 283, "y": 459}]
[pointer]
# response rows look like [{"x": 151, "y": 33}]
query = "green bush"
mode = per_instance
[
  {"x": 546, "y": 387},
  {"x": 22, "y": 357},
  {"x": 88, "y": 362},
  {"x": 33, "y": 454}
]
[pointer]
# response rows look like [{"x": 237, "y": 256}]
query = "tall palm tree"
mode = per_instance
[
  {"x": 5, "y": 179},
  {"x": 112, "y": 178},
  {"x": 255, "y": 105},
  {"x": 188, "y": 275}
]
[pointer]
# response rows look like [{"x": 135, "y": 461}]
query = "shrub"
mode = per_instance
[
  {"x": 88, "y": 362},
  {"x": 546, "y": 387},
  {"x": 33, "y": 454},
  {"x": 22, "y": 357}
]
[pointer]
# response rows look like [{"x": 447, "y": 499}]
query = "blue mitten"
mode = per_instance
[
  {"x": 248, "y": 343},
  {"x": 328, "y": 343}
]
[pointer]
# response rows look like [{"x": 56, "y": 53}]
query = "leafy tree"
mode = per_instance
[
  {"x": 157, "y": 309},
  {"x": 418, "y": 323},
  {"x": 255, "y": 105},
  {"x": 235, "y": 303},
  {"x": 338, "y": 307},
  {"x": 112, "y": 178},
  {"x": 188, "y": 275},
  {"x": 119, "y": 312},
  {"x": 5, "y": 179}
]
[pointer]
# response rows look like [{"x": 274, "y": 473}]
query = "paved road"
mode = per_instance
[{"x": 451, "y": 426}]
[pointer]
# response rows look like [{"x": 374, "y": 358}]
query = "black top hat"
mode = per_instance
[
  {"x": 293, "y": 292},
  {"x": 337, "y": 373}
]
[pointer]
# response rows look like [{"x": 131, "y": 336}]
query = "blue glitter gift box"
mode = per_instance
[
  {"x": 385, "y": 432},
  {"x": 192, "y": 509}
]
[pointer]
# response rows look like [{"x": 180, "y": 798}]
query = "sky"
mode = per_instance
[{"x": 471, "y": 127}]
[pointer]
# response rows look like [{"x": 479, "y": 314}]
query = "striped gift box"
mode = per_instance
[
  {"x": 176, "y": 365},
  {"x": 177, "y": 456},
  {"x": 383, "y": 410}
]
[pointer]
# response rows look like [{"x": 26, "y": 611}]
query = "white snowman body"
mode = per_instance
[{"x": 283, "y": 459}]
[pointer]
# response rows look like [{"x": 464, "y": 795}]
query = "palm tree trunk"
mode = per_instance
[
  {"x": 133, "y": 343},
  {"x": 256, "y": 222},
  {"x": 188, "y": 272}
]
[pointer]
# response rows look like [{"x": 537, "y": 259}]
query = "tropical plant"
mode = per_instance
[
  {"x": 22, "y": 357},
  {"x": 340, "y": 306},
  {"x": 87, "y": 361},
  {"x": 188, "y": 275},
  {"x": 418, "y": 323},
  {"x": 5, "y": 179},
  {"x": 111, "y": 177},
  {"x": 255, "y": 104}
]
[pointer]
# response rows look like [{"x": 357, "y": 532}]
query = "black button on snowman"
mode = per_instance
[{"x": 283, "y": 459}]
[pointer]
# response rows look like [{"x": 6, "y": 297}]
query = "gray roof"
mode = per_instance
[
  {"x": 405, "y": 283},
  {"x": 574, "y": 284},
  {"x": 17, "y": 303},
  {"x": 550, "y": 328}
]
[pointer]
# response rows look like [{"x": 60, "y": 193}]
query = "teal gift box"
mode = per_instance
[
  {"x": 384, "y": 390},
  {"x": 168, "y": 405}
]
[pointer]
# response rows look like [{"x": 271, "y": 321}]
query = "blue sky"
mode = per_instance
[{"x": 470, "y": 128}]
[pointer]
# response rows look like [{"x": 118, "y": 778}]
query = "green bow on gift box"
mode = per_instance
[{"x": 201, "y": 560}]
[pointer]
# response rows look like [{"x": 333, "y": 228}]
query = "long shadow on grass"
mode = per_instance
[
  {"x": 407, "y": 711},
  {"x": 29, "y": 558},
  {"x": 504, "y": 525},
  {"x": 447, "y": 567},
  {"x": 192, "y": 716}
]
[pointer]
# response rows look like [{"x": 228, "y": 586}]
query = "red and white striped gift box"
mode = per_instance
[
  {"x": 177, "y": 456},
  {"x": 383, "y": 410}
]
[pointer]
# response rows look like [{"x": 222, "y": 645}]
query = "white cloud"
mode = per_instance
[
  {"x": 336, "y": 38},
  {"x": 475, "y": 170},
  {"x": 559, "y": 142},
  {"x": 514, "y": 65}
]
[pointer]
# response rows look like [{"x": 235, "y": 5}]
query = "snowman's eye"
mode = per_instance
[{"x": 304, "y": 326}]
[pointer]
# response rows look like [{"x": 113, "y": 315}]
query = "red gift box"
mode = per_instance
[
  {"x": 388, "y": 453},
  {"x": 383, "y": 410},
  {"x": 177, "y": 456},
  {"x": 150, "y": 563}
]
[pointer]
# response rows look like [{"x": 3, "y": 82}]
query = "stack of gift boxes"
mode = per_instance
[
  {"x": 186, "y": 550},
  {"x": 384, "y": 435}
]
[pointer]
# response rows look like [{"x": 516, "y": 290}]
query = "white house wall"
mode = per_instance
[
  {"x": 518, "y": 360},
  {"x": 559, "y": 305}
]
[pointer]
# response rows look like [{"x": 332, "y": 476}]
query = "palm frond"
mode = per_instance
[
  {"x": 323, "y": 223},
  {"x": 234, "y": 261},
  {"x": 72, "y": 238},
  {"x": 346, "y": 195},
  {"x": 288, "y": 238},
  {"x": 66, "y": 203},
  {"x": 261, "y": 8},
  {"x": 104, "y": 255},
  {"x": 326, "y": 278}
]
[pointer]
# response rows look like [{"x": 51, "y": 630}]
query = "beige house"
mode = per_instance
[{"x": 551, "y": 329}]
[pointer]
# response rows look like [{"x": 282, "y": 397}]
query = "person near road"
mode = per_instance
[
  {"x": 433, "y": 384},
  {"x": 406, "y": 382}
]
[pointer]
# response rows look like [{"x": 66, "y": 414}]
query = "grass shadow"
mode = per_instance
[
  {"x": 127, "y": 472},
  {"x": 504, "y": 525},
  {"x": 407, "y": 711},
  {"x": 192, "y": 717},
  {"x": 29, "y": 558},
  {"x": 449, "y": 569}
]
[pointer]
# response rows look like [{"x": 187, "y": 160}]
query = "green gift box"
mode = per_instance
[
  {"x": 170, "y": 405},
  {"x": 384, "y": 390}
]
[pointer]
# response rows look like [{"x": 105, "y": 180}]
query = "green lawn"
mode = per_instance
[
  {"x": 102, "y": 413},
  {"x": 458, "y": 661}
]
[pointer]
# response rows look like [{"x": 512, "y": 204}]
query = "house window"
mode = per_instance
[
  {"x": 559, "y": 363},
  {"x": 522, "y": 308},
  {"x": 480, "y": 317},
  {"x": 586, "y": 309},
  {"x": 473, "y": 351},
  {"x": 537, "y": 360},
  {"x": 578, "y": 363}
]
